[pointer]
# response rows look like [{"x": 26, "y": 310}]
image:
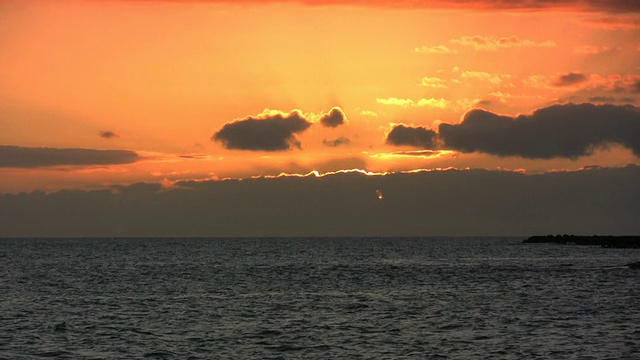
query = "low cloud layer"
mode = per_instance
[
  {"x": 453, "y": 202},
  {"x": 333, "y": 118},
  {"x": 569, "y": 131},
  {"x": 31, "y": 157},
  {"x": 412, "y": 136},
  {"x": 270, "y": 132}
]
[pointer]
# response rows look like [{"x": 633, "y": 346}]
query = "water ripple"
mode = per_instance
[{"x": 315, "y": 298}]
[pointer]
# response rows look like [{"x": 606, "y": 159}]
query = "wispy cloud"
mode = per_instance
[
  {"x": 590, "y": 49},
  {"x": 438, "y": 49},
  {"x": 486, "y": 43},
  {"x": 615, "y": 22},
  {"x": 494, "y": 78},
  {"x": 482, "y": 5},
  {"x": 431, "y": 102},
  {"x": 434, "y": 82}
]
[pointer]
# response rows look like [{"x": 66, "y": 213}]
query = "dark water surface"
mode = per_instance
[{"x": 317, "y": 299}]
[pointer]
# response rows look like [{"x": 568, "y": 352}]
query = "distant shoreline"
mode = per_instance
[{"x": 605, "y": 241}]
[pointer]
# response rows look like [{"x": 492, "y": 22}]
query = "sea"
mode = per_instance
[{"x": 316, "y": 298}]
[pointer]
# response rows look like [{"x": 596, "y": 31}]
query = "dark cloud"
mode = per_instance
[
  {"x": 616, "y": 22},
  {"x": 333, "y": 118},
  {"x": 193, "y": 156},
  {"x": 603, "y": 99},
  {"x": 412, "y": 136},
  {"x": 28, "y": 157},
  {"x": 612, "y": 99},
  {"x": 453, "y": 203},
  {"x": 569, "y": 79},
  {"x": 569, "y": 131},
  {"x": 273, "y": 132},
  {"x": 106, "y": 134},
  {"x": 593, "y": 5},
  {"x": 336, "y": 142},
  {"x": 423, "y": 153}
]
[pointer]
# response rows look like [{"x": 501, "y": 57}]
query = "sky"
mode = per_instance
[{"x": 319, "y": 117}]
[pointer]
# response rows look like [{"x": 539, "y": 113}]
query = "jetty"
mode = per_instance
[{"x": 605, "y": 241}]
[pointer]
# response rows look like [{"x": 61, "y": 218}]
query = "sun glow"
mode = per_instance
[
  {"x": 414, "y": 154},
  {"x": 160, "y": 78}
]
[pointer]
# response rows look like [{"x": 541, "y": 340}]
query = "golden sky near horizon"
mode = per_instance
[{"x": 161, "y": 78}]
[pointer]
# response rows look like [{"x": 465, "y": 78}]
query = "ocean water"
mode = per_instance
[{"x": 316, "y": 298}]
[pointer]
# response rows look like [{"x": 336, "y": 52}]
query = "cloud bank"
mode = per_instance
[
  {"x": 32, "y": 157},
  {"x": 569, "y": 131},
  {"x": 267, "y": 132},
  {"x": 453, "y": 202}
]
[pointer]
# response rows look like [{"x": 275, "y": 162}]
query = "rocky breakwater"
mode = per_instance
[{"x": 597, "y": 240}]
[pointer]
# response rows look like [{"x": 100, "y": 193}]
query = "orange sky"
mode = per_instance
[{"x": 162, "y": 77}]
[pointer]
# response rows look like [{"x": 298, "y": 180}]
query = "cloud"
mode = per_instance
[
  {"x": 603, "y": 99},
  {"x": 270, "y": 131},
  {"x": 33, "y": 157},
  {"x": 452, "y": 202},
  {"x": 333, "y": 118},
  {"x": 415, "y": 154},
  {"x": 486, "y": 43},
  {"x": 416, "y": 136},
  {"x": 336, "y": 142},
  {"x": 486, "y": 5},
  {"x": 432, "y": 102},
  {"x": 611, "y": 99},
  {"x": 589, "y": 49},
  {"x": 615, "y": 22},
  {"x": 503, "y": 96},
  {"x": 494, "y": 78},
  {"x": 569, "y": 5},
  {"x": 369, "y": 113},
  {"x": 439, "y": 49},
  {"x": 434, "y": 82},
  {"x": 594, "y": 84},
  {"x": 572, "y": 78},
  {"x": 617, "y": 83},
  {"x": 569, "y": 131},
  {"x": 106, "y": 134}
]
